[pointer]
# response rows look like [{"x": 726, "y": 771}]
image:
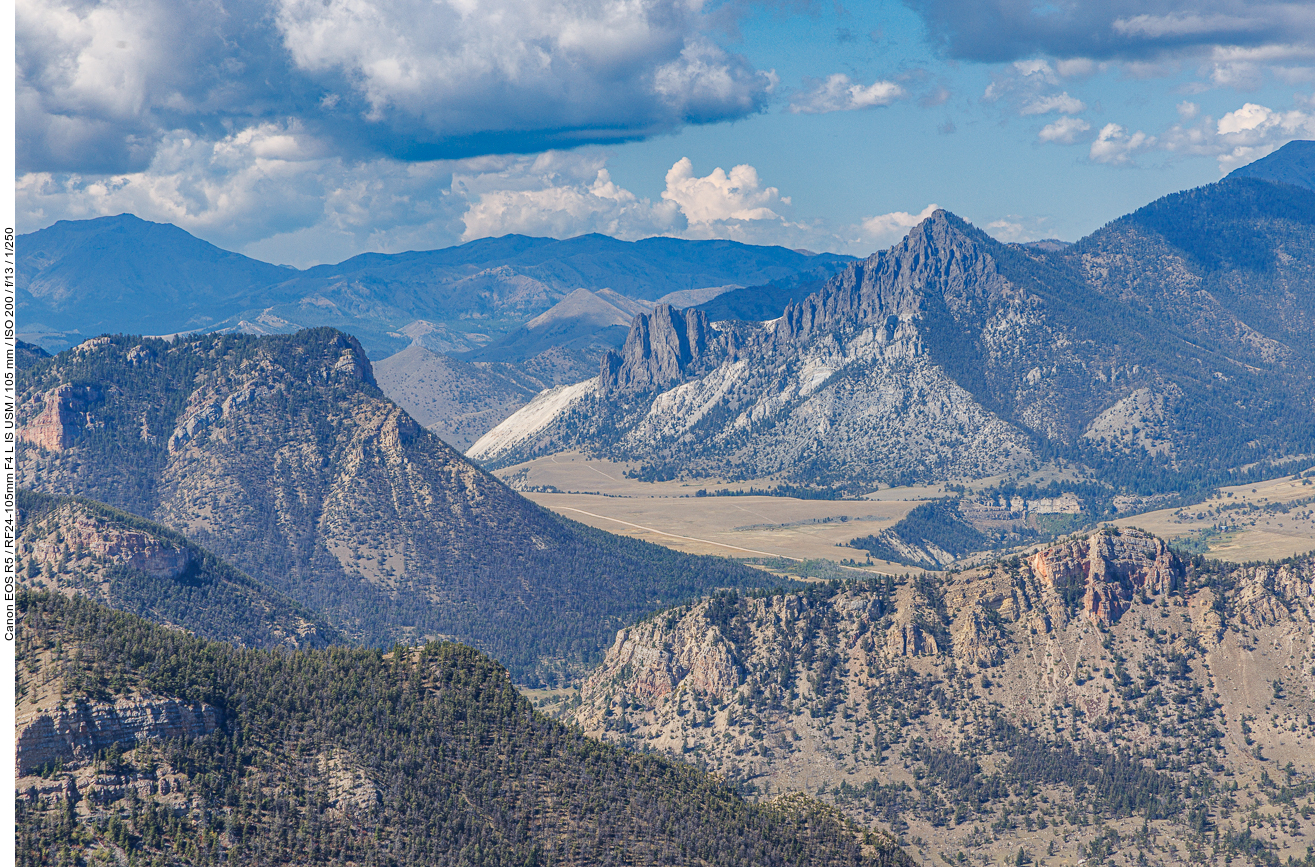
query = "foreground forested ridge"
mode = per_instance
[
  {"x": 1104, "y": 695},
  {"x": 78, "y": 546},
  {"x": 423, "y": 756},
  {"x": 282, "y": 456}
]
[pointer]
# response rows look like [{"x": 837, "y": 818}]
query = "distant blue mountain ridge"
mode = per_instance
[{"x": 124, "y": 274}]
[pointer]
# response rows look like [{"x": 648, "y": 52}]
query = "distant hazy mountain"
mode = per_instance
[
  {"x": 27, "y": 354},
  {"x": 86, "y": 277},
  {"x": 565, "y": 343},
  {"x": 457, "y": 400},
  {"x": 281, "y": 455},
  {"x": 122, "y": 274},
  {"x": 1294, "y": 163},
  {"x": 1174, "y": 343}
]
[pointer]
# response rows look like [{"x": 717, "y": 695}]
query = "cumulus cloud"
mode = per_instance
[
  {"x": 267, "y": 191},
  {"x": 838, "y": 93},
  {"x": 557, "y": 198},
  {"x": 1240, "y": 136},
  {"x": 1032, "y": 87},
  {"x": 720, "y": 196},
  {"x": 1115, "y": 146},
  {"x": 884, "y": 230},
  {"x": 1017, "y": 229},
  {"x": 103, "y": 83},
  {"x": 1066, "y": 130},
  {"x": 1119, "y": 30}
]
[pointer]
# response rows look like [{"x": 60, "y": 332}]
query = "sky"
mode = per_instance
[{"x": 308, "y": 131}]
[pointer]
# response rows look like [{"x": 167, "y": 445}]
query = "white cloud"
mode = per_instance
[
  {"x": 1114, "y": 146},
  {"x": 562, "y": 195},
  {"x": 554, "y": 196},
  {"x": 1245, "y": 119},
  {"x": 1066, "y": 130},
  {"x": 1016, "y": 229},
  {"x": 884, "y": 230},
  {"x": 1254, "y": 131},
  {"x": 1077, "y": 67},
  {"x": 102, "y": 83},
  {"x": 1060, "y": 102},
  {"x": 838, "y": 93},
  {"x": 1031, "y": 87},
  {"x": 720, "y": 197},
  {"x": 1188, "y": 110},
  {"x": 1184, "y": 24}
]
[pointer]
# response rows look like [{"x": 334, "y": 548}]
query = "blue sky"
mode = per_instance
[{"x": 306, "y": 131}]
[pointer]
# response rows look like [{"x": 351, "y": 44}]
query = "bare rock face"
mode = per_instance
[
  {"x": 63, "y": 413},
  {"x": 76, "y": 734},
  {"x": 132, "y": 548},
  {"x": 660, "y": 350},
  {"x": 1112, "y": 567},
  {"x": 697, "y": 656},
  {"x": 1269, "y": 594}
]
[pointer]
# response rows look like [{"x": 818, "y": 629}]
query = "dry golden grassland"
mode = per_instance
[
  {"x": 597, "y": 493},
  {"x": 1265, "y": 521}
]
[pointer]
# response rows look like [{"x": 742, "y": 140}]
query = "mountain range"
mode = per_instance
[
  {"x": 127, "y": 275},
  {"x": 1162, "y": 351},
  {"x": 243, "y": 565}
]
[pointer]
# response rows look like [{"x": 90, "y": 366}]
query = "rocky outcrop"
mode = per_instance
[
  {"x": 1111, "y": 567},
  {"x": 662, "y": 348},
  {"x": 63, "y": 413},
  {"x": 697, "y": 656},
  {"x": 1269, "y": 594},
  {"x": 867, "y": 688},
  {"x": 75, "y": 734},
  {"x": 133, "y": 548}
]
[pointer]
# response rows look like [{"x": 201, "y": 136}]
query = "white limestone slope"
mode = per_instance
[{"x": 522, "y": 426}]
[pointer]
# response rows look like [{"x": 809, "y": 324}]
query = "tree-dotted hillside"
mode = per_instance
[
  {"x": 1104, "y": 700},
  {"x": 80, "y": 547},
  {"x": 419, "y": 757}
]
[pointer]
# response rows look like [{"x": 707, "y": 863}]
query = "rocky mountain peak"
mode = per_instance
[{"x": 661, "y": 348}]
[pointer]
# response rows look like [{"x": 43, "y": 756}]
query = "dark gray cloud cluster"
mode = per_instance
[
  {"x": 1131, "y": 30},
  {"x": 101, "y": 83}
]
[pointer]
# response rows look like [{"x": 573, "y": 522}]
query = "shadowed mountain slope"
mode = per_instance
[
  {"x": 127, "y": 274},
  {"x": 80, "y": 547},
  {"x": 281, "y": 455}
]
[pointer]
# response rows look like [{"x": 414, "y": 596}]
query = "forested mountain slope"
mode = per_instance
[
  {"x": 1164, "y": 349},
  {"x": 80, "y": 547},
  {"x": 142, "y": 745},
  {"x": 1103, "y": 695},
  {"x": 282, "y": 456}
]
